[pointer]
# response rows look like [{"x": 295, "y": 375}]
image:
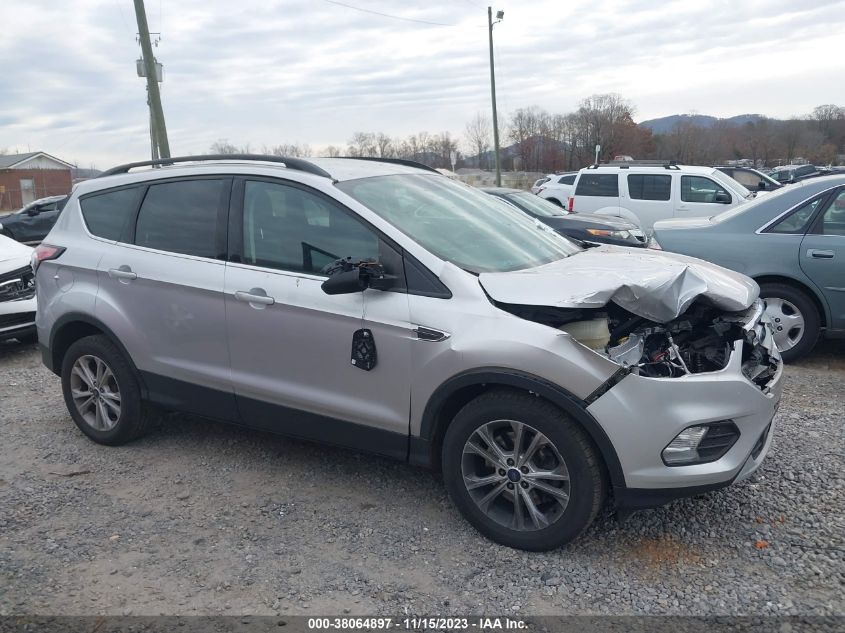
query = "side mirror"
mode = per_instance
[
  {"x": 344, "y": 283},
  {"x": 33, "y": 211},
  {"x": 350, "y": 278},
  {"x": 722, "y": 198},
  {"x": 761, "y": 186}
]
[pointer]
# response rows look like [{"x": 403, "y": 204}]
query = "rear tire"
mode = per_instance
[
  {"x": 563, "y": 478},
  {"x": 102, "y": 393},
  {"x": 795, "y": 313}
]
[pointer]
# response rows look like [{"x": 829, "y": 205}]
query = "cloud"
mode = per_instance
[{"x": 267, "y": 72}]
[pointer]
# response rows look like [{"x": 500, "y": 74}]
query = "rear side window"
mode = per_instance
[
  {"x": 833, "y": 220},
  {"x": 107, "y": 214},
  {"x": 797, "y": 221},
  {"x": 567, "y": 180},
  {"x": 649, "y": 187},
  {"x": 181, "y": 217},
  {"x": 598, "y": 185}
]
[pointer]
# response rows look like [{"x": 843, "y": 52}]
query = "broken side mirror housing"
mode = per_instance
[{"x": 344, "y": 283}]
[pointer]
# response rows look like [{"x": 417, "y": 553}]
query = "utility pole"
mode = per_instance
[
  {"x": 490, "y": 23},
  {"x": 153, "y": 94}
]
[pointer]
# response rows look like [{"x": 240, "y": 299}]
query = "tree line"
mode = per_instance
[{"x": 536, "y": 140}]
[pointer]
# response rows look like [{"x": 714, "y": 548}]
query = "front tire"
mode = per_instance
[
  {"x": 521, "y": 471},
  {"x": 795, "y": 319},
  {"x": 102, "y": 393}
]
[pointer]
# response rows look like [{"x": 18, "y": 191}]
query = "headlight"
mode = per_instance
[
  {"x": 653, "y": 243},
  {"x": 622, "y": 235}
]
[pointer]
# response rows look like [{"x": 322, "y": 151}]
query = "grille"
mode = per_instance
[
  {"x": 718, "y": 440},
  {"x": 17, "y": 284},
  {"x": 11, "y": 320}
]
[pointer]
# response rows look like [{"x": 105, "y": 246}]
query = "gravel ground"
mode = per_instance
[{"x": 204, "y": 518}]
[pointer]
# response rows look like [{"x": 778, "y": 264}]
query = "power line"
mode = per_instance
[{"x": 387, "y": 15}]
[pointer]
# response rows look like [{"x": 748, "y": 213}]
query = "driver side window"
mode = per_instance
[
  {"x": 700, "y": 189},
  {"x": 292, "y": 229}
]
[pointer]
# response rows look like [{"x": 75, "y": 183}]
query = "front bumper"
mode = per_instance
[
  {"x": 642, "y": 415},
  {"x": 17, "y": 318}
]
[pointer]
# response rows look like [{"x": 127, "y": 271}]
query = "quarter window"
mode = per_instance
[
  {"x": 797, "y": 221},
  {"x": 292, "y": 229},
  {"x": 181, "y": 217},
  {"x": 833, "y": 221},
  {"x": 605, "y": 185},
  {"x": 649, "y": 187},
  {"x": 107, "y": 214},
  {"x": 700, "y": 189}
]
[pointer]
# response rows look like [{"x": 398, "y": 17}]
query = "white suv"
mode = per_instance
[
  {"x": 643, "y": 194},
  {"x": 558, "y": 188}
]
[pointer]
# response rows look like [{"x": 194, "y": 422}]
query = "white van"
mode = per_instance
[{"x": 645, "y": 193}]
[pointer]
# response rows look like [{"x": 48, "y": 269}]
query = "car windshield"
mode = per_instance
[
  {"x": 747, "y": 206},
  {"x": 460, "y": 224},
  {"x": 535, "y": 205}
]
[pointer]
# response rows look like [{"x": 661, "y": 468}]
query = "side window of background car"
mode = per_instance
[
  {"x": 649, "y": 187},
  {"x": 833, "y": 220},
  {"x": 567, "y": 180},
  {"x": 797, "y": 221},
  {"x": 107, "y": 214},
  {"x": 181, "y": 217},
  {"x": 701, "y": 189},
  {"x": 292, "y": 229},
  {"x": 604, "y": 185}
]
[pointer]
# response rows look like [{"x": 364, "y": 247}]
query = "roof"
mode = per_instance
[
  {"x": 634, "y": 167},
  {"x": 338, "y": 169},
  {"x": 10, "y": 161}
]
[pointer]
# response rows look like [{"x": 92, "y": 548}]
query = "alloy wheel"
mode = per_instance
[
  {"x": 515, "y": 475},
  {"x": 787, "y": 321},
  {"x": 95, "y": 392}
]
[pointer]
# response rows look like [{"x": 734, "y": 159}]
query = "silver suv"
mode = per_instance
[{"x": 383, "y": 307}]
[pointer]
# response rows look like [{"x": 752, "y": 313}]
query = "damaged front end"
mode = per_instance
[
  {"x": 702, "y": 339},
  {"x": 17, "y": 285}
]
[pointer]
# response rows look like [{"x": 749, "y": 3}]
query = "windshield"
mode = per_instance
[
  {"x": 747, "y": 206},
  {"x": 460, "y": 224},
  {"x": 535, "y": 205}
]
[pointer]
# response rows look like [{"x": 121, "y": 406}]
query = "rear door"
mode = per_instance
[
  {"x": 291, "y": 343},
  {"x": 822, "y": 256},
  {"x": 649, "y": 197},
  {"x": 161, "y": 291}
]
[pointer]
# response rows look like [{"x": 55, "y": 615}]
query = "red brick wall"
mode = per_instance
[{"x": 48, "y": 182}]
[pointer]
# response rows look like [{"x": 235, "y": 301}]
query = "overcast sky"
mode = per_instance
[{"x": 313, "y": 71}]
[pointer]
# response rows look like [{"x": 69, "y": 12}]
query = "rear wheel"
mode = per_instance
[
  {"x": 102, "y": 393},
  {"x": 521, "y": 471},
  {"x": 794, "y": 317}
]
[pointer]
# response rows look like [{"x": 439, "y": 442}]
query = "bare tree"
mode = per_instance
[
  {"x": 477, "y": 137},
  {"x": 223, "y": 146}
]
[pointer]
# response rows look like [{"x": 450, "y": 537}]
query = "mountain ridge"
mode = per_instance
[{"x": 666, "y": 124}]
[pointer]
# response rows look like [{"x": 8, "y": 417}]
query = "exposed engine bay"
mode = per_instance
[{"x": 701, "y": 340}]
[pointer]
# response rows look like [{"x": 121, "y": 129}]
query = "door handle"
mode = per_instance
[
  {"x": 818, "y": 254},
  {"x": 254, "y": 296},
  {"x": 123, "y": 274}
]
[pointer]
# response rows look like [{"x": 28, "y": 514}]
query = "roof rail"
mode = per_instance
[
  {"x": 291, "y": 163},
  {"x": 395, "y": 161},
  {"x": 625, "y": 164}
]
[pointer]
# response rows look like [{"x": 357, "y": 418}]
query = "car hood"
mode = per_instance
[
  {"x": 652, "y": 284},
  {"x": 683, "y": 223},
  {"x": 12, "y": 253}
]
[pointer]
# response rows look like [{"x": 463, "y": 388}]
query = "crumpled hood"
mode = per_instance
[
  {"x": 11, "y": 250},
  {"x": 656, "y": 285}
]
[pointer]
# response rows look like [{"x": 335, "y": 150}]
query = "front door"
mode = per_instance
[
  {"x": 701, "y": 196},
  {"x": 291, "y": 344},
  {"x": 822, "y": 256}
]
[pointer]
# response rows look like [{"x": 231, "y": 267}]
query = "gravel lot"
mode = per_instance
[{"x": 203, "y": 518}]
